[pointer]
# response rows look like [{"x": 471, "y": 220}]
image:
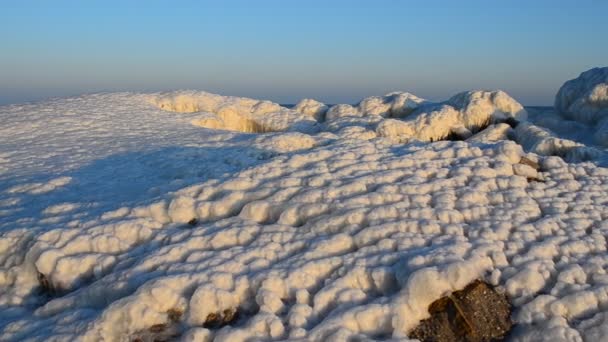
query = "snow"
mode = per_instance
[
  {"x": 233, "y": 113},
  {"x": 312, "y": 108},
  {"x": 544, "y": 142},
  {"x": 147, "y": 216},
  {"x": 482, "y": 107},
  {"x": 585, "y": 99},
  {"x": 463, "y": 114}
]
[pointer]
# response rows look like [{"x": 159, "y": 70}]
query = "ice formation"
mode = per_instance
[
  {"x": 463, "y": 114},
  {"x": 585, "y": 99},
  {"x": 121, "y": 220},
  {"x": 234, "y": 113},
  {"x": 312, "y": 108}
]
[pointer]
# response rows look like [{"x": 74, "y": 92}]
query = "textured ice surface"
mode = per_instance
[
  {"x": 121, "y": 220},
  {"x": 585, "y": 99},
  {"x": 236, "y": 113}
]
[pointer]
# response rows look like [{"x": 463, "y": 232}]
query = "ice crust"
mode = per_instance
[{"x": 122, "y": 218}]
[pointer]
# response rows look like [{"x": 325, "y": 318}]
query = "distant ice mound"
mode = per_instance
[
  {"x": 458, "y": 118},
  {"x": 234, "y": 113},
  {"x": 585, "y": 99},
  {"x": 480, "y": 108},
  {"x": 580, "y": 118},
  {"x": 312, "y": 108},
  {"x": 400, "y": 116},
  {"x": 395, "y": 105}
]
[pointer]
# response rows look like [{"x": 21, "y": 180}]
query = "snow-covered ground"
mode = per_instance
[{"x": 151, "y": 216}]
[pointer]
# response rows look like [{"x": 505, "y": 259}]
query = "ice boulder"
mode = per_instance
[
  {"x": 495, "y": 132},
  {"x": 585, "y": 98},
  {"x": 395, "y": 104},
  {"x": 340, "y": 111},
  {"x": 435, "y": 123},
  {"x": 480, "y": 108},
  {"x": 312, "y": 108},
  {"x": 376, "y": 105},
  {"x": 403, "y": 104},
  {"x": 456, "y": 119}
]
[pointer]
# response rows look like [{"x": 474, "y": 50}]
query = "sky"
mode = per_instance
[{"x": 333, "y": 51}]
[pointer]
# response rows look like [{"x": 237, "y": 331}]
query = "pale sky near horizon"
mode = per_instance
[{"x": 333, "y": 51}]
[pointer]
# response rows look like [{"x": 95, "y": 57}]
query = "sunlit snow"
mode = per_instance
[{"x": 139, "y": 216}]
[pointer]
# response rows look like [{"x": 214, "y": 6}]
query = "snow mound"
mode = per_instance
[
  {"x": 395, "y": 104},
  {"x": 480, "y": 108},
  {"x": 340, "y": 111},
  {"x": 286, "y": 142},
  {"x": 544, "y": 142},
  {"x": 234, "y": 113},
  {"x": 493, "y": 133},
  {"x": 585, "y": 99},
  {"x": 406, "y": 116},
  {"x": 435, "y": 124},
  {"x": 312, "y": 108},
  {"x": 461, "y": 116}
]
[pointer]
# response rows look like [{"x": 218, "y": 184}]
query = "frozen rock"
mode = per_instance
[
  {"x": 395, "y": 104},
  {"x": 341, "y": 110},
  {"x": 434, "y": 123},
  {"x": 492, "y": 133},
  {"x": 480, "y": 108},
  {"x": 464, "y": 114},
  {"x": 403, "y": 104},
  {"x": 312, "y": 108},
  {"x": 585, "y": 98}
]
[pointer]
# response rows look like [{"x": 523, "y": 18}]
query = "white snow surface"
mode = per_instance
[{"x": 315, "y": 223}]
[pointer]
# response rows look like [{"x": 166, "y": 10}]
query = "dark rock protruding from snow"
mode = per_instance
[{"x": 476, "y": 313}]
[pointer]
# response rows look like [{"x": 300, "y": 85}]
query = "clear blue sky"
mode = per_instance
[{"x": 334, "y": 51}]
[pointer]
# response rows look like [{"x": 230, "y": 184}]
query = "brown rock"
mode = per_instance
[
  {"x": 220, "y": 319},
  {"x": 531, "y": 163},
  {"x": 46, "y": 286},
  {"x": 475, "y": 313},
  {"x": 174, "y": 314}
]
